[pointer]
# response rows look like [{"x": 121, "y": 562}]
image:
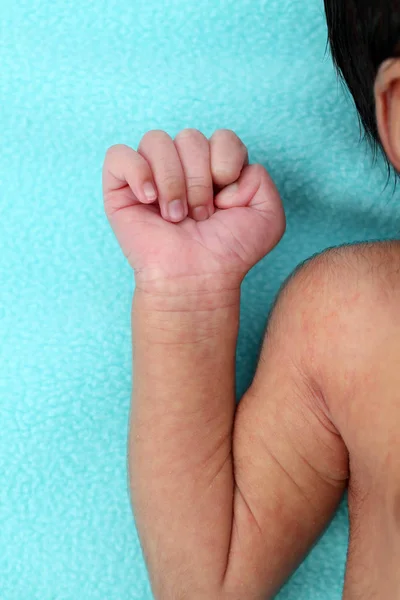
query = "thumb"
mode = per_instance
[{"x": 254, "y": 190}]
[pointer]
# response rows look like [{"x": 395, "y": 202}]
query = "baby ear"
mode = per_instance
[{"x": 387, "y": 102}]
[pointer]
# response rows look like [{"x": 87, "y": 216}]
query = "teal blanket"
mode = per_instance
[{"x": 76, "y": 77}]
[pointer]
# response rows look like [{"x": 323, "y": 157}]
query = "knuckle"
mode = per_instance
[
  {"x": 199, "y": 183},
  {"x": 154, "y": 136},
  {"x": 116, "y": 149},
  {"x": 228, "y": 136},
  {"x": 228, "y": 157},
  {"x": 226, "y": 133},
  {"x": 198, "y": 188},
  {"x": 191, "y": 134},
  {"x": 226, "y": 171},
  {"x": 172, "y": 184}
]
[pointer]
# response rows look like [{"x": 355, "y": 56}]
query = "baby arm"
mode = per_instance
[
  {"x": 185, "y": 322},
  {"x": 225, "y": 510},
  {"x": 226, "y": 506},
  {"x": 218, "y": 510}
]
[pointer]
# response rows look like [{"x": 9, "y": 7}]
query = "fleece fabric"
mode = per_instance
[{"x": 75, "y": 78}]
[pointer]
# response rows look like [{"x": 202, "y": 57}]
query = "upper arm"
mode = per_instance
[{"x": 295, "y": 426}]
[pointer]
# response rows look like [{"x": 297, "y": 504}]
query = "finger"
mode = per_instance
[
  {"x": 159, "y": 150},
  {"x": 127, "y": 179},
  {"x": 254, "y": 188},
  {"x": 194, "y": 152},
  {"x": 228, "y": 157}
]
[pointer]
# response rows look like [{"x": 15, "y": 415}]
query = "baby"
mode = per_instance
[{"x": 229, "y": 500}]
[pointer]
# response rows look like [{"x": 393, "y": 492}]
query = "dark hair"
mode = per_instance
[{"x": 363, "y": 34}]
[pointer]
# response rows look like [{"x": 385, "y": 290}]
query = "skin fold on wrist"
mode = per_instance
[{"x": 183, "y": 319}]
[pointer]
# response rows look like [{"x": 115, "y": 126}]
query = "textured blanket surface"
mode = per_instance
[{"x": 76, "y": 77}]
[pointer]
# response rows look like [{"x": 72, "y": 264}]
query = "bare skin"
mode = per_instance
[{"x": 228, "y": 502}]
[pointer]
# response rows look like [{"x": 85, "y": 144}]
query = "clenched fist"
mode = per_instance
[{"x": 190, "y": 207}]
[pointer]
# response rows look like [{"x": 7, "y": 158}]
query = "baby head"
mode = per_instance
[{"x": 364, "y": 36}]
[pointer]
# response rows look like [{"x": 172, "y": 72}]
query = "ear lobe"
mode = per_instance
[{"x": 387, "y": 102}]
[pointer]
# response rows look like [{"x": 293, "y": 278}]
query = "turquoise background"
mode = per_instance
[{"x": 76, "y": 77}]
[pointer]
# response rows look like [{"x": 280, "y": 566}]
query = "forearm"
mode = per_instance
[{"x": 180, "y": 438}]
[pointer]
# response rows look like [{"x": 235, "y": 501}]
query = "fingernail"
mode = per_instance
[
  {"x": 176, "y": 212},
  {"x": 200, "y": 213},
  {"x": 149, "y": 191}
]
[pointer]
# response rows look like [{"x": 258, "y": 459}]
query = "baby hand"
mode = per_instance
[{"x": 190, "y": 208}]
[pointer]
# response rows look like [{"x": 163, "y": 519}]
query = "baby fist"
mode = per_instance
[{"x": 190, "y": 207}]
